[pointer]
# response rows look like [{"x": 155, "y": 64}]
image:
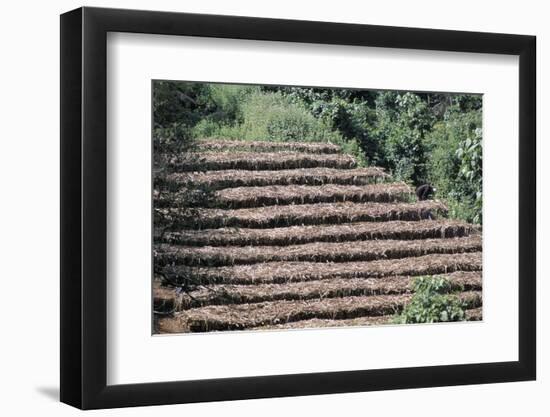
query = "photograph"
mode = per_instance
[
  {"x": 268, "y": 209},
  {"x": 298, "y": 207}
]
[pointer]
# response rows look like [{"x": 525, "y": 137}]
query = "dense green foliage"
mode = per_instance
[
  {"x": 432, "y": 302},
  {"x": 419, "y": 137},
  {"x": 456, "y": 162},
  {"x": 272, "y": 116}
]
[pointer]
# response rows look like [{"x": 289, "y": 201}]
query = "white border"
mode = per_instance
[{"x": 134, "y": 356}]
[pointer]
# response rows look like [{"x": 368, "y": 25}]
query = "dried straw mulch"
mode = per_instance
[
  {"x": 368, "y": 250},
  {"x": 243, "y": 197},
  {"x": 334, "y": 245},
  {"x": 293, "y": 235},
  {"x": 242, "y": 316},
  {"x": 333, "y": 288},
  {"x": 281, "y": 272},
  {"x": 327, "y": 323},
  {"x": 473, "y": 314},
  {"x": 266, "y": 146},
  {"x": 244, "y": 178},
  {"x": 215, "y": 161},
  {"x": 171, "y": 325},
  {"x": 304, "y": 214}
]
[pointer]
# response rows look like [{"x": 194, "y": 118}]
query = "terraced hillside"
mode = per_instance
[{"x": 276, "y": 235}]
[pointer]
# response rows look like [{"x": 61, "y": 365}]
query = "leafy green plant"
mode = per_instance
[
  {"x": 226, "y": 101},
  {"x": 274, "y": 117},
  {"x": 455, "y": 166},
  {"x": 432, "y": 302},
  {"x": 419, "y": 138},
  {"x": 470, "y": 173},
  {"x": 405, "y": 147},
  {"x": 179, "y": 102}
]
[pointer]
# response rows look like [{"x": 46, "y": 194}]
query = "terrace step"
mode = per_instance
[
  {"x": 171, "y": 325},
  {"x": 174, "y": 325},
  {"x": 280, "y": 235},
  {"x": 214, "y": 180},
  {"x": 267, "y": 146},
  {"x": 247, "y": 197},
  {"x": 243, "y": 316},
  {"x": 333, "y": 288},
  {"x": 367, "y": 250},
  {"x": 473, "y": 314},
  {"x": 216, "y": 161},
  {"x": 293, "y": 215},
  {"x": 282, "y": 272},
  {"x": 328, "y": 323},
  {"x": 402, "y": 230}
]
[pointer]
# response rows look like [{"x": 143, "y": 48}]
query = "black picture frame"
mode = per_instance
[{"x": 84, "y": 207}]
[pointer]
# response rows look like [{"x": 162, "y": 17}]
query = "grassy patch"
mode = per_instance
[{"x": 274, "y": 117}]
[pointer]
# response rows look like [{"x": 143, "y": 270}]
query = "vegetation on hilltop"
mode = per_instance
[{"x": 420, "y": 138}]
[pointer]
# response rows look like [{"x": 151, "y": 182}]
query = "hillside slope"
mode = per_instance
[{"x": 264, "y": 235}]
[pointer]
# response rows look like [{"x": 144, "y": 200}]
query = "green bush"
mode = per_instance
[
  {"x": 274, "y": 117},
  {"x": 226, "y": 101},
  {"x": 179, "y": 103},
  {"x": 455, "y": 166},
  {"x": 355, "y": 121},
  {"x": 418, "y": 137},
  {"x": 432, "y": 302},
  {"x": 470, "y": 175},
  {"x": 403, "y": 127},
  {"x": 349, "y": 112}
]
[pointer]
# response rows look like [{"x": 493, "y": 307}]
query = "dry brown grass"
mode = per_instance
[
  {"x": 332, "y": 288},
  {"x": 471, "y": 299},
  {"x": 304, "y": 214},
  {"x": 328, "y": 323},
  {"x": 281, "y": 272},
  {"x": 216, "y": 161},
  {"x": 242, "y": 316},
  {"x": 273, "y": 235},
  {"x": 293, "y": 235},
  {"x": 171, "y": 325},
  {"x": 266, "y": 146},
  {"x": 243, "y": 178},
  {"x": 245, "y": 197},
  {"x": 368, "y": 250},
  {"x": 474, "y": 314},
  {"x": 164, "y": 298}
]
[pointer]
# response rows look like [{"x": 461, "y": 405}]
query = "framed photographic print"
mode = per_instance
[{"x": 257, "y": 208}]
